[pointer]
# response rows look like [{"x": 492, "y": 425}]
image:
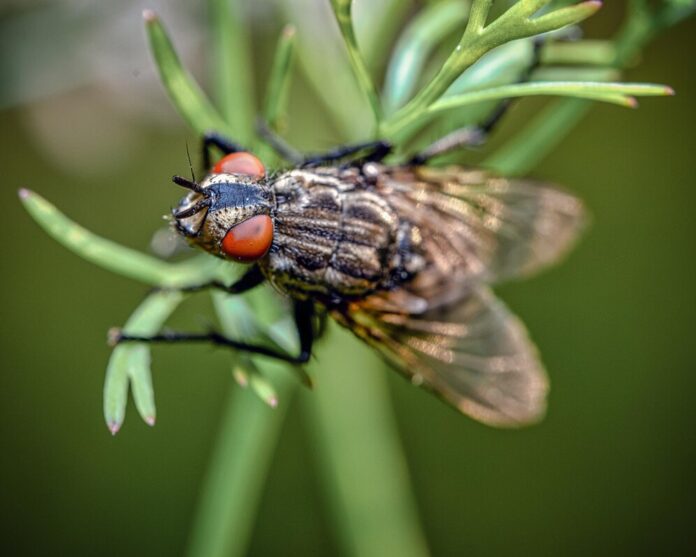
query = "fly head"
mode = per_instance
[{"x": 227, "y": 215}]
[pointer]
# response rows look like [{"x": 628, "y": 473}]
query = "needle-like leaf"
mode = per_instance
[{"x": 183, "y": 90}]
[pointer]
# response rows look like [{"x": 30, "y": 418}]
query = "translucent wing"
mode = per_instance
[
  {"x": 474, "y": 354},
  {"x": 483, "y": 228}
]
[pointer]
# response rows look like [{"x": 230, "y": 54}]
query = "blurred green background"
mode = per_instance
[{"x": 610, "y": 470}]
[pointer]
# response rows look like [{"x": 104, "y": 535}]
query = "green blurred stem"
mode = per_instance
[
  {"x": 363, "y": 467},
  {"x": 275, "y": 104},
  {"x": 232, "y": 67},
  {"x": 238, "y": 467}
]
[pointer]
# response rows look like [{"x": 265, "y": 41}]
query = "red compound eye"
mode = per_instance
[
  {"x": 240, "y": 163},
  {"x": 249, "y": 240}
]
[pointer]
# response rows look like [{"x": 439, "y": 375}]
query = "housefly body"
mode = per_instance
[{"x": 402, "y": 255}]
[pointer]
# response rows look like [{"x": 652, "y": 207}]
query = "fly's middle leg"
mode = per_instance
[{"x": 251, "y": 279}]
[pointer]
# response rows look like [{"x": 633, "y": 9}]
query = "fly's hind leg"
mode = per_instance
[{"x": 303, "y": 314}]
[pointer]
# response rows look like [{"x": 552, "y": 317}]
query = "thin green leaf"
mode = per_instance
[
  {"x": 478, "y": 16},
  {"x": 130, "y": 363},
  {"x": 617, "y": 93},
  {"x": 275, "y": 105},
  {"x": 560, "y": 18},
  {"x": 415, "y": 46},
  {"x": 115, "y": 257},
  {"x": 477, "y": 40},
  {"x": 597, "y": 53},
  {"x": 522, "y": 153},
  {"x": 575, "y": 73},
  {"x": 183, "y": 90},
  {"x": 141, "y": 382},
  {"x": 116, "y": 389},
  {"x": 342, "y": 11},
  {"x": 231, "y": 55}
]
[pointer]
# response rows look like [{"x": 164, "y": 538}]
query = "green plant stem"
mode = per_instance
[
  {"x": 238, "y": 467},
  {"x": 363, "y": 467}
]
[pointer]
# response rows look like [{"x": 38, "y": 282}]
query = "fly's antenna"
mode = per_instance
[
  {"x": 186, "y": 213},
  {"x": 188, "y": 155},
  {"x": 188, "y": 184}
]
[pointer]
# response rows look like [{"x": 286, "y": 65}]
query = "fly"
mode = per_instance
[{"x": 402, "y": 255}]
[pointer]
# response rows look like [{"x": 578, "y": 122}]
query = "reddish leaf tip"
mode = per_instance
[
  {"x": 113, "y": 336},
  {"x": 273, "y": 402},
  {"x": 631, "y": 102},
  {"x": 149, "y": 16},
  {"x": 241, "y": 379},
  {"x": 670, "y": 91},
  {"x": 150, "y": 420},
  {"x": 24, "y": 193},
  {"x": 113, "y": 427}
]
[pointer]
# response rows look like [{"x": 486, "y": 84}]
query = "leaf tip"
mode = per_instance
[
  {"x": 273, "y": 401},
  {"x": 113, "y": 336},
  {"x": 631, "y": 102},
  {"x": 289, "y": 31},
  {"x": 149, "y": 16},
  {"x": 241, "y": 378},
  {"x": 150, "y": 420},
  {"x": 593, "y": 4},
  {"x": 24, "y": 193},
  {"x": 669, "y": 91},
  {"x": 113, "y": 427}
]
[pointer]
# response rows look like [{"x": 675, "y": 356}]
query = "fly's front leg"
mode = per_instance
[
  {"x": 213, "y": 139},
  {"x": 303, "y": 311}
]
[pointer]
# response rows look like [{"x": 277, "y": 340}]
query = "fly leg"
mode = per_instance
[
  {"x": 303, "y": 313},
  {"x": 370, "y": 151},
  {"x": 474, "y": 136},
  {"x": 251, "y": 279},
  {"x": 213, "y": 139}
]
